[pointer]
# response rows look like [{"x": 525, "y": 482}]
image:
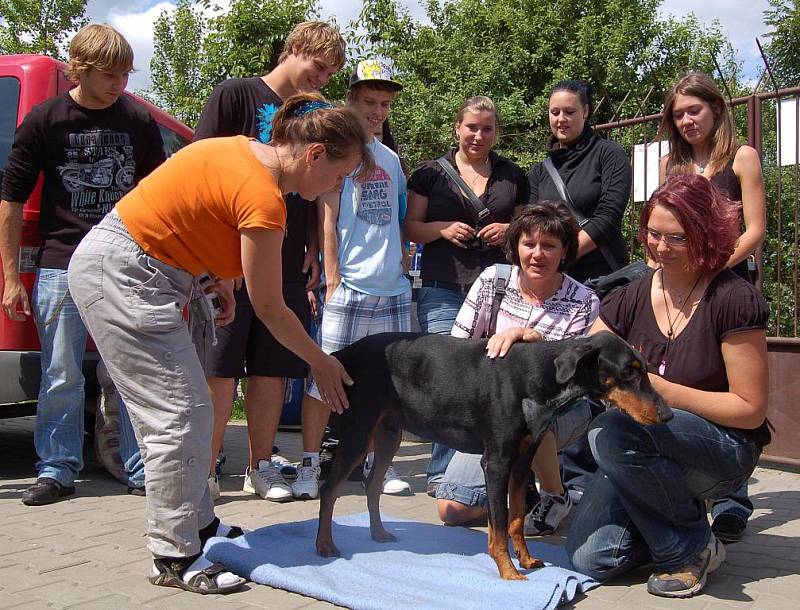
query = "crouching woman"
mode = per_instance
[{"x": 701, "y": 329}]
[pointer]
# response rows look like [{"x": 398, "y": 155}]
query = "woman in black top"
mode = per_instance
[
  {"x": 702, "y": 332},
  {"x": 597, "y": 176},
  {"x": 458, "y": 246},
  {"x": 702, "y": 141}
]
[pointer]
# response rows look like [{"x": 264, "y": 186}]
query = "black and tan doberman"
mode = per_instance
[{"x": 447, "y": 390}]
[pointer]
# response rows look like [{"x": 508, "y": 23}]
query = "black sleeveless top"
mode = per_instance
[{"x": 729, "y": 184}]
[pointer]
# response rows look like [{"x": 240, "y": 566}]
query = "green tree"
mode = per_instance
[
  {"x": 39, "y": 26},
  {"x": 783, "y": 17},
  {"x": 515, "y": 50},
  {"x": 192, "y": 53},
  {"x": 178, "y": 81}
]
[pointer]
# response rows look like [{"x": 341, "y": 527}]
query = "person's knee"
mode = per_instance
[
  {"x": 452, "y": 512},
  {"x": 588, "y": 560},
  {"x": 612, "y": 435}
]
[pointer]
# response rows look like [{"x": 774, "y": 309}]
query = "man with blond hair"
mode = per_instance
[
  {"x": 93, "y": 145},
  {"x": 312, "y": 53}
]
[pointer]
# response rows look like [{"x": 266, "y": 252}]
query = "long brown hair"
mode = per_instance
[{"x": 679, "y": 159}]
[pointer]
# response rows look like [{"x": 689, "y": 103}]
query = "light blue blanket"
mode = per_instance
[{"x": 430, "y": 566}]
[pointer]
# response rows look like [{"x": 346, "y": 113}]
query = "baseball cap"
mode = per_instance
[{"x": 374, "y": 70}]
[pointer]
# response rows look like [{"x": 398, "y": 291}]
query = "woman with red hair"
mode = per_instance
[{"x": 701, "y": 329}]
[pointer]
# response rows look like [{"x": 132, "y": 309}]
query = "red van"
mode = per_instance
[{"x": 25, "y": 81}]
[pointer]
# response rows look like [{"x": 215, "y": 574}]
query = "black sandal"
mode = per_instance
[{"x": 171, "y": 571}]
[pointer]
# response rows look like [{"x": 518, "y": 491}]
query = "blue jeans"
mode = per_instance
[
  {"x": 58, "y": 434},
  {"x": 437, "y": 309},
  {"x": 647, "y": 500},
  {"x": 736, "y": 503}
]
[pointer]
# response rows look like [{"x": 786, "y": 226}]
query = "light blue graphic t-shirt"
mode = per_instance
[{"x": 370, "y": 248}]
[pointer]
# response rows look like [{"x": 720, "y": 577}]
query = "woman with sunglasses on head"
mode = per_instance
[
  {"x": 214, "y": 209},
  {"x": 698, "y": 126},
  {"x": 458, "y": 246},
  {"x": 702, "y": 331}
]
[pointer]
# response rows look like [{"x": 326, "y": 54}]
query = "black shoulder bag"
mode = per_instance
[
  {"x": 620, "y": 274},
  {"x": 479, "y": 213},
  {"x": 502, "y": 276}
]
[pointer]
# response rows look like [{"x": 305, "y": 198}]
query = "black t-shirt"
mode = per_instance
[
  {"x": 598, "y": 177},
  {"x": 90, "y": 159},
  {"x": 506, "y": 189},
  {"x": 245, "y": 106},
  {"x": 694, "y": 358}
]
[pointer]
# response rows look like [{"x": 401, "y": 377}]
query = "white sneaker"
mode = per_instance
[
  {"x": 392, "y": 483},
  {"x": 213, "y": 487},
  {"x": 267, "y": 482},
  {"x": 306, "y": 485},
  {"x": 547, "y": 515},
  {"x": 284, "y": 466}
]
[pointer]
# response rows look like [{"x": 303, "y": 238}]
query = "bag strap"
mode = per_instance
[
  {"x": 477, "y": 210},
  {"x": 609, "y": 257},
  {"x": 501, "y": 278}
]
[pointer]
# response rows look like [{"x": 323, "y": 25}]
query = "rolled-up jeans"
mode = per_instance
[
  {"x": 132, "y": 304},
  {"x": 437, "y": 309},
  {"x": 647, "y": 500}
]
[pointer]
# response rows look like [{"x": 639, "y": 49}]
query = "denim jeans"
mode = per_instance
[
  {"x": 647, "y": 500},
  {"x": 437, "y": 309},
  {"x": 736, "y": 503},
  {"x": 58, "y": 433}
]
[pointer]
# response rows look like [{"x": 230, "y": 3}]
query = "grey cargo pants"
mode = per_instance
[{"x": 132, "y": 305}]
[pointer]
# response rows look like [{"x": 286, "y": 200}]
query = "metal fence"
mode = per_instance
[{"x": 769, "y": 122}]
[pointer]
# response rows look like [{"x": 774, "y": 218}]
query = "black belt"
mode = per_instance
[{"x": 462, "y": 288}]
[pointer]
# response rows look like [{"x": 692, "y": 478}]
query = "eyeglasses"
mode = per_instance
[{"x": 673, "y": 240}]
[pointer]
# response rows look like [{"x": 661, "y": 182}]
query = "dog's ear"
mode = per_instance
[{"x": 567, "y": 362}]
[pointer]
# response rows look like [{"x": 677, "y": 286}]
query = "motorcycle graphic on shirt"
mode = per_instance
[
  {"x": 100, "y": 169},
  {"x": 101, "y": 174}
]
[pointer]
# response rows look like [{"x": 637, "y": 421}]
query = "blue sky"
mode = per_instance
[{"x": 740, "y": 19}]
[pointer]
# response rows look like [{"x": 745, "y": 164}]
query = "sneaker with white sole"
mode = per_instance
[
  {"x": 548, "y": 513},
  {"x": 285, "y": 467},
  {"x": 306, "y": 485},
  {"x": 267, "y": 482},
  {"x": 393, "y": 485},
  {"x": 213, "y": 487}
]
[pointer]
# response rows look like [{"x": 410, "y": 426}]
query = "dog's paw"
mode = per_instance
[
  {"x": 383, "y": 536},
  {"x": 531, "y": 563},
  {"x": 327, "y": 550}
]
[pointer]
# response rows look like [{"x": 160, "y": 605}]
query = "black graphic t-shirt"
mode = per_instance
[
  {"x": 90, "y": 159},
  {"x": 245, "y": 107}
]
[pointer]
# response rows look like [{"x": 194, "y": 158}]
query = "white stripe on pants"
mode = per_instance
[{"x": 132, "y": 305}]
